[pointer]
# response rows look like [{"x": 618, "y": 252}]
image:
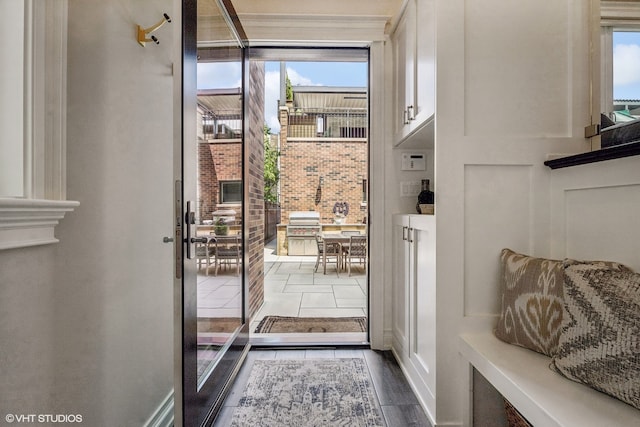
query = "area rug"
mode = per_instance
[
  {"x": 282, "y": 324},
  {"x": 308, "y": 393}
]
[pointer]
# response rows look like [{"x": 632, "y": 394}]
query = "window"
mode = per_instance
[
  {"x": 12, "y": 57},
  {"x": 626, "y": 75},
  {"x": 231, "y": 192},
  {"x": 365, "y": 191},
  {"x": 620, "y": 60}
]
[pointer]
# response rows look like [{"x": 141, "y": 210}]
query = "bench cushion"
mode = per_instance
[{"x": 600, "y": 341}]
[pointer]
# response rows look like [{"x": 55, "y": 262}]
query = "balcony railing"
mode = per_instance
[
  {"x": 225, "y": 125},
  {"x": 328, "y": 123}
]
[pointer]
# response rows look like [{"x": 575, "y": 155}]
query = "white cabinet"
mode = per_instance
[
  {"x": 414, "y": 298},
  {"x": 413, "y": 44},
  {"x": 401, "y": 265}
]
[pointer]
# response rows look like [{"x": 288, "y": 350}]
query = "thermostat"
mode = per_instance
[{"x": 413, "y": 162}]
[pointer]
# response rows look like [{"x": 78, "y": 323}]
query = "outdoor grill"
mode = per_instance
[{"x": 301, "y": 232}]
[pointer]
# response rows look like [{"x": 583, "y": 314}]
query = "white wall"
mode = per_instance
[
  {"x": 87, "y": 324},
  {"x": 512, "y": 86}
]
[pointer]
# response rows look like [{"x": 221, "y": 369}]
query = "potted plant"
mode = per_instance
[{"x": 221, "y": 228}]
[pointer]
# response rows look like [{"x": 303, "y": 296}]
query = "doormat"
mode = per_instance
[
  {"x": 282, "y": 324},
  {"x": 219, "y": 324},
  {"x": 308, "y": 393}
]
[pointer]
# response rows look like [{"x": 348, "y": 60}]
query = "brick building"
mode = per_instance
[
  {"x": 219, "y": 152},
  {"x": 323, "y": 152}
]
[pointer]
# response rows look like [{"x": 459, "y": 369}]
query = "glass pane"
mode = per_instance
[
  {"x": 626, "y": 76},
  {"x": 219, "y": 216}
]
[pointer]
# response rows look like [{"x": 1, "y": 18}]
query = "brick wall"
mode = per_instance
[
  {"x": 255, "y": 181},
  {"x": 218, "y": 161},
  {"x": 342, "y": 166},
  {"x": 207, "y": 182}
]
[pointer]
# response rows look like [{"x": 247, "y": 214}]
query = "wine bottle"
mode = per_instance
[{"x": 426, "y": 196}]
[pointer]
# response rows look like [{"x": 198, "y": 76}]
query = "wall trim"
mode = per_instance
[
  {"x": 31, "y": 222},
  {"x": 163, "y": 415},
  {"x": 305, "y": 28},
  {"x": 619, "y": 13}
]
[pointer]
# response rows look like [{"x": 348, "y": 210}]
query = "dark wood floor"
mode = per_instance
[{"x": 399, "y": 405}]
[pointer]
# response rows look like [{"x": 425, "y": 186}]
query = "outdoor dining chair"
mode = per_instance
[
  {"x": 357, "y": 250},
  {"x": 228, "y": 249},
  {"x": 327, "y": 251},
  {"x": 205, "y": 254}
]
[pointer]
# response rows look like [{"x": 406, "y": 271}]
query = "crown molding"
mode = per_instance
[
  {"x": 312, "y": 29},
  {"x": 619, "y": 13}
]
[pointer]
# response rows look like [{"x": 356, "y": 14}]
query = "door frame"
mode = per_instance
[{"x": 195, "y": 406}]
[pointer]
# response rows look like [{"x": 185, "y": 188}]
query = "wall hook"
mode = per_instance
[{"x": 144, "y": 32}]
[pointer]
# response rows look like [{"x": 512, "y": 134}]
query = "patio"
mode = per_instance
[{"x": 291, "y": 288}]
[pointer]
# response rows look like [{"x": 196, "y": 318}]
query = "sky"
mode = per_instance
[
  {"x": 228, "y": 75},
  {"x": 626, "y": 65}
]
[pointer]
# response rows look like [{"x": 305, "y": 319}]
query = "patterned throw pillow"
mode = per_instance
[
  {"x": 531, "y": 292},
  {"x": 532, "y": 299},
  {"x": 600, "y": 341}
]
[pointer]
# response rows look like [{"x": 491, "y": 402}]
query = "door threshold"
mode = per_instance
[{"x": 307, "y": 339}]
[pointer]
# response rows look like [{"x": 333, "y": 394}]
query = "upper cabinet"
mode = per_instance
[{"x": 413, "y": 44}]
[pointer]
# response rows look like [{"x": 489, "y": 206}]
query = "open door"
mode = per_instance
[{"x": 214, "y": 336}]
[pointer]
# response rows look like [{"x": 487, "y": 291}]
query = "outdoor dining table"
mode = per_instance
[{"x": 341, "y": 239}]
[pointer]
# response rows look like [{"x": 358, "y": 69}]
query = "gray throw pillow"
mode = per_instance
[
  {"x": 600, "y": 341},
  {"x": 531, "y": 291}
]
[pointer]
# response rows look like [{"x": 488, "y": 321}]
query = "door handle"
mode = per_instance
[
  {"x": 404, "y": 233},
  {"x": 178, "y": 227},
  {"x": 189, "y": 221},
  {"x": 199, "y": 240}
]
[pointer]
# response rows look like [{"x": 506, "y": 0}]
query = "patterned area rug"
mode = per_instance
[
  {"x": 308, "y": 393},
  {"x": 281, "y": 324}
]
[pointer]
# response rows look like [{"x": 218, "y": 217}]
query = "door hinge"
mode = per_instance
[{"x": 592, "y": 130}]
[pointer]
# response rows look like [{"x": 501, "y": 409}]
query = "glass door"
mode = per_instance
[{"x": 215, "y": 331}]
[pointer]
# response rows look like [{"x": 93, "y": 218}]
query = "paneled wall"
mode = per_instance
[
  {"x": 512, "y": 87},
  {"x": 595, "y": 211}
]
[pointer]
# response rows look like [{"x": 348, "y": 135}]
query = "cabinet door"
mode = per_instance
[
  {"x": 410, "y": 59},
  {"x": 404, "y": 48},
  {"x": 423, "y": 297},
  {"x": 400, "y": 294},
  {"x": 425, "y": 97}
]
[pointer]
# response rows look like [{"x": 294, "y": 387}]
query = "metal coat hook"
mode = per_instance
[{"x": 144, "y": 32}]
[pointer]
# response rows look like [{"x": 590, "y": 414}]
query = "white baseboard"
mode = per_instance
[{"x": 163, "y": 415}]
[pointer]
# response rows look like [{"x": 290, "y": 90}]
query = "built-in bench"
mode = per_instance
[{"x": 543, "y": 397}]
